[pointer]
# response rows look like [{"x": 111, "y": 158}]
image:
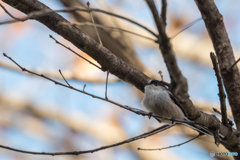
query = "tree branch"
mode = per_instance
[
  {"x": 74, "y": 52},
  {"x": 121, "y": 69},
  {"x": 134, "y": 110},
  {"x": 177, "y": 145},
  {"x": 177, "y": 79},
  {"x": 68, "y": 75},
  {"x": 108, "y": 28},
  {"x": 164, "y": 12},
  {"x": 221, "y": 94},
  {"x": 147, "y": 134},
  {"x": 103, "y": 56},
  {"x": 47, "y": 11},
  {"x": 222, "y": 46}
]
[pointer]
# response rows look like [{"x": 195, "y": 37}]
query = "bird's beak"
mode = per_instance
[{"x": 147, "y": 83}]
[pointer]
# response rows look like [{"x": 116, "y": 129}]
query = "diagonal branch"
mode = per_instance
[
  {"x": 222, "y": 46},
  {"x": 99, "y": 39},
  {"x": 134, "y": 110},
  {"x": 164, "y": 12},
  {"x": 103, "y": 56},
  {"x": 47, "y": 11},
  {"x": 109, "y": 28},
  {"x": 68, "y": 74},
  {"x": 222, "y": 95},
  {"x": 75, "y": 52},
  {"x": 186, "y": 27},
  {"x": 119, "y": 68},
  {"x": 177, "y": 145},
  {"x": 147, "y": 134},
  {"x": 177, "y": 79}
]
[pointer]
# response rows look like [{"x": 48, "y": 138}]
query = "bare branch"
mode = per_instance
[
  {"x": 164, "y": 12},
  {"x": 176, "y": 76},
  {"x": 116, "y": 66},
  {"x": 103, "y": 56},
  {"x": 229, "y": 120},
  {"x": 223, "y": 49},
  {"x": 221, "y": 94},
  {"x": 64, "y": 79},
  {"x": 134, "y": 110},
  {"x": 147, "y": 134},
  {"x": 17, "y": 19},
  {"x": 68, "y": 74},
  {"x": 186, "y": 27},
  {"x": 88, "y": 4},
  {"x": 231, "y": 67},
  {"x": 106, "y": 85},
  {"x": 74, "y": 52},
  {"x": 160, "y": 74},
  {"x": 159, "y": 149},
  {"x": 177, "y": 79},
  {"x": 107, "y": 27},
  {"x": 38, "y": 14}
]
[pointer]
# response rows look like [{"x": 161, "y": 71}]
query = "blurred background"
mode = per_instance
[{"x": 37, "y": 115}]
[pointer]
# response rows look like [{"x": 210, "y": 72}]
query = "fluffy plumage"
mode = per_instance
[{"x": 160, "y": 101}]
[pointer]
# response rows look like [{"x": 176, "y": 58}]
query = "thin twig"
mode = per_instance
[
  {"x": 147, "y": 134},
  {"x": 134, "y": 110},
  {"x": 64, "y": 78},
  {"x": 107, "y": 27},
  {"x": 164, "y": 12},
  {"x": 186, "y": 27},
  {"x": 229, "y": 120},
  {"x": 160, "y": 73},
  {"x": 106, "y": 85},
  {"x": 75, "y": 52},
  {"x": 18, "y": 19},
  {"x": 68, "y": 74},
  {"x": 231, "y": 67},
  {"x": 37, "y": 14},
  {"x": 88, "y": 4},
  {"x": 84, "y": 87},
  {"x": 171, "y": 146},
  {"x": 222, "y": 95}
]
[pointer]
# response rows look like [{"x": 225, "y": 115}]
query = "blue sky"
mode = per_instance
[{"x": 35, "y": 49}]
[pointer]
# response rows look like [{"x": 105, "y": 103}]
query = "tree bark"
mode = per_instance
[
  {"x": 222, "y": 46},
  {"x": 115, "y": 65}
]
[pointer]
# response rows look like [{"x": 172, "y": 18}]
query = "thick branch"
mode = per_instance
[
  {"x": 177, "y": 79},
  {"x": 118, "y": 67},
  {"x": 178, "y": 82},
  {"x": 164, "y": 12},
  {"x": 103, "y": 56},
  {"x": 217, "y": 31}
]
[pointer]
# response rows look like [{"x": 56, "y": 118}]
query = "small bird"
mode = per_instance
[{"x": 160, "y": 101}]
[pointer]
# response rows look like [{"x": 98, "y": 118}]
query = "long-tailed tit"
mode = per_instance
[{"x": 160, "y": 101}]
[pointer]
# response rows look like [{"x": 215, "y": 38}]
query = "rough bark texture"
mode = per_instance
[
  {"x": 103, "y": 56},
  {"x": 121, "y": 46},
  {"x": 116, "y": 66},
  {"x": 178, "y": 82},
  {"x": 217, "y": 31}
]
